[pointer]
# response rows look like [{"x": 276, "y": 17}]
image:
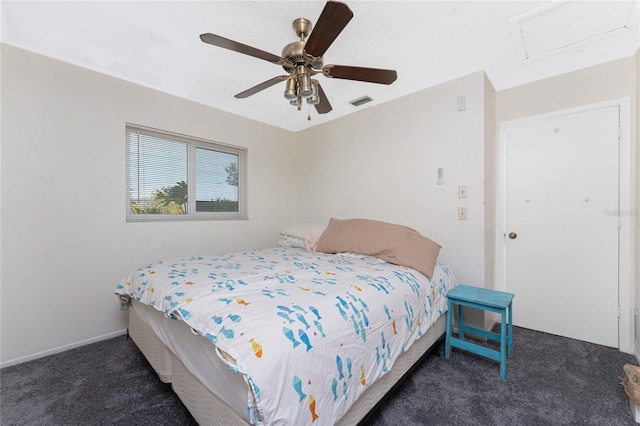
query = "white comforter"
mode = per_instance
[{"x": 309, "y": 332}]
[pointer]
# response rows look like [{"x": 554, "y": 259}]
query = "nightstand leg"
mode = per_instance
[
  {"x": 447, "y": 345},
  {"x": 503, "y": 346},
  {"x": 460, "y": 330},
  {"x": 510, "y": 338}
]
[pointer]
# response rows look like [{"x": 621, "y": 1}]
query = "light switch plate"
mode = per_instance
[
  {"x": 462, "y": 191},
  {"x": 462, "y": 213},
  {"x": 462, "y": 103}
]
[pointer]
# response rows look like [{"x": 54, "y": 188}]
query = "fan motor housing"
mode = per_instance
[{"x": 294, "y": 55}]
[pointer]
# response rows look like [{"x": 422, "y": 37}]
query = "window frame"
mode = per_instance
[{"x": 193, "y": 143}]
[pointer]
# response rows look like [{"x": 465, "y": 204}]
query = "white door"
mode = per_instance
[{"x": 561, "y": 177}]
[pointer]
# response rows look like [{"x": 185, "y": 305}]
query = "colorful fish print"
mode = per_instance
[
  {"x": 334, "y": 388},
  {"x": 305, "y": 339},
  {"x": 393, "y": 324},
  {"x": 315, "y": 312},
  {"x": 354, "y": 309},
  {"x": 339, "y": 365},
  {"x": 289, "y": 335},
  {"x": 254, "y": 387},
  {"x": 227, "y": 333},
  {"x": 303, "y": 320},
  {"x": 384, "y": 343},
  {"x": 285, "y": 316},
  {"x": 364, "y": 305},
  {"x": 217, "y": 319},
  {"x": 343, "y": 314},
  {"x": 242, "y": 302},
  {"x": 386, "y": 311},
  {"x": 342, "y": 302},
  {"x": 356, "y": 287},
  {"x": 319, "y": 327},
  {"x": 297, "y": 386},
  {"x": 364, "y": 317},
  {"x": 349, "y": 367},
  {"x": 300, "y": 308},
  {"x": 210, "y": 337},
  {"x": 364, "y": 331},
  {"x": 284, "y": 308},
  {"x": 268, "y": 293},
  {"x": 186, "y": 315},
  {"x": 256, "y": 347},
  {"x": 363, "y": 379},
  {"x": 226, "y": 301},
  {"x": 355, "y": 325},
  {"x": 312, "y": 408},
  {"x": 234, "y": 318},
  {"x": 345, "y": 389}
]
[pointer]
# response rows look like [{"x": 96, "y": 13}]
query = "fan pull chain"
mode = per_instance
[{"x": 308, "y": 112}]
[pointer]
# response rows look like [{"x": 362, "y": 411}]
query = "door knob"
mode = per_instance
[{"x": 513, "y": 235}]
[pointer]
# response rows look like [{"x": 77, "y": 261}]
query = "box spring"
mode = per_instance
[{"x": 207, "y": 409}]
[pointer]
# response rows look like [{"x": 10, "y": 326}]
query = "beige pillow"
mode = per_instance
[{"x": 395, "y": 244}]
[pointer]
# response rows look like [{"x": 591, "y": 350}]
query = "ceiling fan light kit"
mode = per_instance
[{"x": 303, "y": 59}]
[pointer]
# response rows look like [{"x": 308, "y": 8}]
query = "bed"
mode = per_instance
[{"x": 309, "y": 332}]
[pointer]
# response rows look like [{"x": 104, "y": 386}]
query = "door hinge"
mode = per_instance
[
  {"x": 619, "y": 312},
  {"x": 619, "y": 132},
  {"x": 619, "y": 222}
]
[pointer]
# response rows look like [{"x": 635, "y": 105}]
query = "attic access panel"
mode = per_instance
[{"x": 562, "y": 25}]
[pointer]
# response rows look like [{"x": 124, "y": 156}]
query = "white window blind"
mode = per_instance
[{"x": 175, "y": 177}]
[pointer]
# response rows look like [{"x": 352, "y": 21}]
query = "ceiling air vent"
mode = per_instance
[{"x": 360, "y": 101}]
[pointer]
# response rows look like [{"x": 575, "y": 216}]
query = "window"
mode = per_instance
[{"x": 176, "y": 177}]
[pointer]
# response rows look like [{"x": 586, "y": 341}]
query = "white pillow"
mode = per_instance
[
  {"x": 287, "y": 241},
  {"x": 297, "y": 231}
]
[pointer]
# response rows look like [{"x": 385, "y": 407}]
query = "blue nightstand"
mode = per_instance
[{"x": 499, "y": 302}]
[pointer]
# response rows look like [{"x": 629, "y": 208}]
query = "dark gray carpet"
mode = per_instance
[{"x": 550, "y": 381}]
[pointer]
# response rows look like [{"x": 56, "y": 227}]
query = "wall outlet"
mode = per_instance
[
  {"x": 462, "y": 213},
  {"x": 462, "y": 191}
]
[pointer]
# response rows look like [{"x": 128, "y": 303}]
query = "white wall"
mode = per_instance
[
  {"x": 381, "y": 163},
  {"x": 65, "y": 242}
]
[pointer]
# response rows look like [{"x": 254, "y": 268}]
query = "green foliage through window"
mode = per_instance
[{"x": 159, "y": 167}]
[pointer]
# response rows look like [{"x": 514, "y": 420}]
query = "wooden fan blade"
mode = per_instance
[
  {"x": 259, "y": 87},
  {"x": 225, "y": 43},
  {"x": 334, "y": 17},
  {"x": 324, "y": 106},
  {"x": 370, "y": 75}
]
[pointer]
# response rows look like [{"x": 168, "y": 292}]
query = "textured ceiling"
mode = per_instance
[{"x": 156, "y": 44}]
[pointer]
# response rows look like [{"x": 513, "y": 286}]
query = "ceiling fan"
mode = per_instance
[{"x": 303, "y": 59}]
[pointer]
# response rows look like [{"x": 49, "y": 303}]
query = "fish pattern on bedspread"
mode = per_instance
[{"x": 309, "y": 331}]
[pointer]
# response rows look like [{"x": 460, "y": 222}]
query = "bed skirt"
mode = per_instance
[{"x": 207, "y": 409}]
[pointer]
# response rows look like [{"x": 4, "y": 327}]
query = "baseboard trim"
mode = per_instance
[{"x": 59, "y": 349}]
